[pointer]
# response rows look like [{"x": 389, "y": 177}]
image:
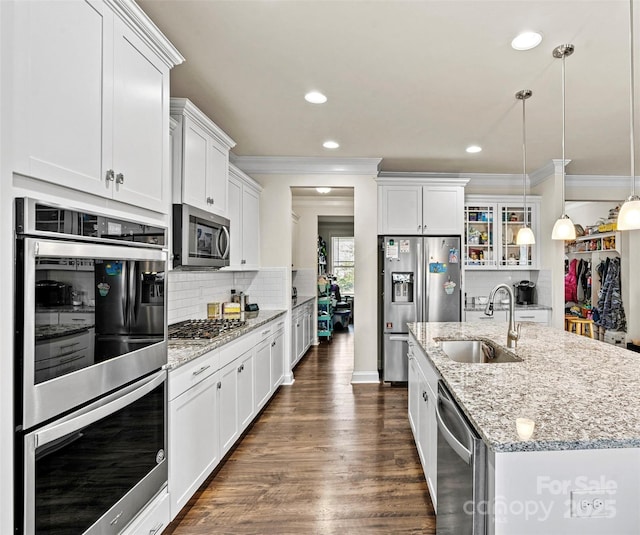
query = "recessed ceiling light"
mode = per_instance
[
  {"x": 330, "y": 145},
  {"x": 526, "y": 41},
  {"x": 323, "y": 190},
  {"x": 315, "y": 97},
  {"x": 473, "y": 148}
]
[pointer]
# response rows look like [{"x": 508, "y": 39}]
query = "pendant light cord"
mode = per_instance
[
  {"x": 564, "y": 56},
  {"x": 632, "y": 104},
  {"x": 524, "y": 162}
]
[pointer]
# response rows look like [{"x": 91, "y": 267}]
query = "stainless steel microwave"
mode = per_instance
[{"x": 200, "y": 239}]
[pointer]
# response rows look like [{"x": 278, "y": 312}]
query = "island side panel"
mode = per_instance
[{"x": 531, "y": 492}]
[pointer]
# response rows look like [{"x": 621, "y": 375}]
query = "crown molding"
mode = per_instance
[
  {"x": 301, "y": 165},
  {"x": 144, "y": 27},
  {"x": 598, "y": 181},
  {"x": 242, "y": 177},
  {"x": 183, "y": 107}
]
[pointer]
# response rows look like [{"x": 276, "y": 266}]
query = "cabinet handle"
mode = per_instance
[
  {"x": 219, "y": 385},
  {"x": 526, "y": 317},
  {"x": 419, "y": 228},
  {"x": 266, "y": 332},
  {"x": 198, "y": 372},
  {"x": 110, "y": 175},
  {"x": 241, "y": 368},
  {"x": 155, "y": 530},
  {"x": 273, "y": 343},
  {"x": 120, "y": 178}
]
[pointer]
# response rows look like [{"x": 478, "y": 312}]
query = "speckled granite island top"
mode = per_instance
[
  {"x": 581, "y": 393},
  {"x": 183, "y": 351}
]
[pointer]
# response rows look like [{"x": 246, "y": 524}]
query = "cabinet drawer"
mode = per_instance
[
  {"x": 77, "y": 318},
  {"x": 479, "y": 315},
  {"x": 154, "y": 518},
  {"x": 183, "y": 378},
  {"x": 231, "y": 351},
  {"x": 537, "y": 316}
]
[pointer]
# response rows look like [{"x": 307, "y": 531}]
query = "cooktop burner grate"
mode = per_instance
[{"x": 203, "y": 328}]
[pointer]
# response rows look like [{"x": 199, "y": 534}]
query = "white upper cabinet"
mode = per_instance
[
  {"x": 91, "y": 99},
  {"x": 420, "y": 207},
  {"x": 201, "y": 159},
  {"x": 244, "y": 214}
]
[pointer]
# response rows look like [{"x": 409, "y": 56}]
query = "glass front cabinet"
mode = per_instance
[{"x": 491, "y": 225}]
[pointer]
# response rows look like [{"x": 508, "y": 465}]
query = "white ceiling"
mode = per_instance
[{"x": 412, "y": 82}]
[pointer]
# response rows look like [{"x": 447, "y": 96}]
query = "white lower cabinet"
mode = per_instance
[
  {"x": 228, "y": 407},
  {"x": 246, "y": 403},
  {"x": 212, "y": 400},
  {"x": 520, "y": 314},
  {"x": 423, "y": 399},
  {"x": 193, "y": 438},
  {"x": 277, "y": 356}
]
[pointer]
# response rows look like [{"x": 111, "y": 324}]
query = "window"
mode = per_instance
[{"x": 343, "y": 263}]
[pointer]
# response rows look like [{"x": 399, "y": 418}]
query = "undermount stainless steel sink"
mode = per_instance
[{"x": 477, "y": 352}]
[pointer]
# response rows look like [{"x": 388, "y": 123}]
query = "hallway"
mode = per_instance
[{"x": 324, "y": 457}]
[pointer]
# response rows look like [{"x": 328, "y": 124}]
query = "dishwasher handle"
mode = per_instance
[{"x": 464, "y": 453}]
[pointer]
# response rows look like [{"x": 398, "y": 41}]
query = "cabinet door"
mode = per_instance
[
  {"x": 512, "y": 255},
  {"x": 234, "y": 211},
  {"x": 194, "y": 165},
  {"x": 401, "y": 209},
  {"x": 246, "y": 404},
  {"x": 217, "y": 178},
  {"x": 250, "y": 227},
  {"x": 193, "y": 436},
  {"x": 309, "y": 327},
  {"x": 480, "y": 234},
  {"x": 227, "y": 406},
  {"x": 263, "y": 373},
  {"x": 277, "y": 359},
  {"x": 442, "y": 210},
  {"x": 413, "y": 394},
  {"x": 423, "y": 424},
  {"x": 431, "y": 446},
  {"x": 60, "y": 106},
  {"x": 300, "y": 335},
  {"x": 140, "y": 122}
]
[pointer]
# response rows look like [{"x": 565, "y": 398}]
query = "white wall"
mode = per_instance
[
  {"x": 587, "y": 213},
  {"x": 276, "y": 248}
]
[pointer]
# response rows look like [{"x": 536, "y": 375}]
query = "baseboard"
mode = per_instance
[{"x": 365, "y": 377}]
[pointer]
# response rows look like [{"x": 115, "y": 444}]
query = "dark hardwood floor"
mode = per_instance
[{"x": 324, "y": 457}]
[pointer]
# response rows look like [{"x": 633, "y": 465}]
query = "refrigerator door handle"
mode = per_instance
[
  {"x": 399, "y": 338},
  {"x": 419, "y": 282},
  {"x": 132, "y": 289}
]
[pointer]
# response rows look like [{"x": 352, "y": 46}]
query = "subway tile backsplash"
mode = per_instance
[{"x": 190, "y": 291}]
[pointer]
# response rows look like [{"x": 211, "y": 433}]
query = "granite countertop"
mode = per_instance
[
  {"x": 500, "y": 306},
  {"x": 581, "y": 393},
  {"x": 185, "y": 350},
  {"x": 85, "y": 309},
  {"x": 301, "y": 300},
  {"x": 47, "y": 332}
]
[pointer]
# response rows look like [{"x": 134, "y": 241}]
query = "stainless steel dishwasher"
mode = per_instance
[{"x": 461, "y": 471}]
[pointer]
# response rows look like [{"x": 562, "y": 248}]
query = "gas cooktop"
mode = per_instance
[{"x": 207, "y": 329}]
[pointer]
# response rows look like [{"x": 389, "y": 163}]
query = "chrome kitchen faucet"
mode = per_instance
[{"x": 513, "y": 330}]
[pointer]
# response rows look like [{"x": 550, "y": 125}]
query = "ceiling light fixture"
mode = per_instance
[
  {"x": 525, "y": 234},
  {"x": 331, "y": 145},
  {"x": 526, "y": 41},
  {"x": 315, "y": 97},
  {"x": 563, "y": 228},
  {"x": 323, "y": 190},
  {"x": 472, "y": 149},
  {"x": 629, "y": 215}
]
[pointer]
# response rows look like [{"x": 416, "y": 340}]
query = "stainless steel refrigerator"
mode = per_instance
[{"x": 420, "y": 280}]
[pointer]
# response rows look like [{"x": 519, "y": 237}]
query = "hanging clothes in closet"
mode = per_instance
[{"x": 610, "y": 310}]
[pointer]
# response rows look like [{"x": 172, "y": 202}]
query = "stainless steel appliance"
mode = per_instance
[
  {"x": 525, "y": 291},
  {"x": 200, "y": 239},
  {"x": 89, "y": 386},
  {"x": 419, "y": 280},
  {"x": 462, "y": 482}
]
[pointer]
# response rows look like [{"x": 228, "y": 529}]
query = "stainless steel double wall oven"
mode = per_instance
[{"x": 90, "y": 401}]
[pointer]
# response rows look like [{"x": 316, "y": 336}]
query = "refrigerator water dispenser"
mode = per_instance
[{"x": 402, "y": 284}]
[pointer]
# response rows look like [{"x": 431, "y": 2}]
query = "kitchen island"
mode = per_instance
[{"x": 584, "y": 399}]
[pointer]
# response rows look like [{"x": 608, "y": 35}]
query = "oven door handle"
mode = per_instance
[{"x": 98, "y": 410}]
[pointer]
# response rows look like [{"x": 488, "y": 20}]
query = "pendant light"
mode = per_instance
[
  {"x": 629, "y": 216},
  {"x": 563, "y": 229},
  {"x": 525, "y": 234}
]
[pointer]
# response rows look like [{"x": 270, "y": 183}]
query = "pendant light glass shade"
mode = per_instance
[
  {"x": 564, "y": 228},
  {"x": 629, "y": 215},
  {"x": 525, "y": 234}
]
